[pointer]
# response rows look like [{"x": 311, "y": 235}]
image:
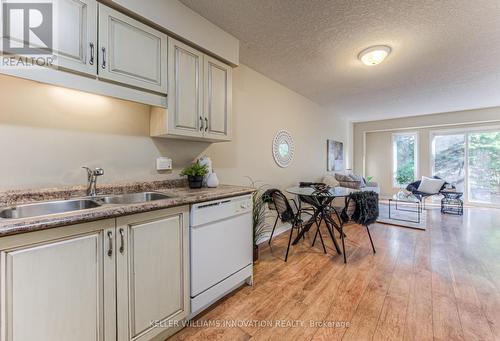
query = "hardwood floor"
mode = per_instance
[{"x": 441, "y": 284}]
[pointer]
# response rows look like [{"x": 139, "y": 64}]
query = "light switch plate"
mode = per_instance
[{"x": 163, "y": 163}]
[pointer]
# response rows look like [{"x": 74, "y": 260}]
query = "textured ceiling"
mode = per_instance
[{"x": 446, "y": 53}]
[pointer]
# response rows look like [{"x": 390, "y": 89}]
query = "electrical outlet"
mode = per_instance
[{"x": 163, "y": 163}]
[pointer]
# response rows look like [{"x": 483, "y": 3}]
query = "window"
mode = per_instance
[{"x": 404, "y": 158}]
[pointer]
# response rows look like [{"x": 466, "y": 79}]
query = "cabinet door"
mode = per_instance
[
  {"x": 218, "y": 99},
  {"x": 185, "y": 95},
  {"x": 131, "y": 52},
  {"x": 152, "y": 273},
  {"x": 76, "y": 35},
  {"x": 59, "y": 290}
]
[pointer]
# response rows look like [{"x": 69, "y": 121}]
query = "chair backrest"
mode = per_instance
[
  {"x": 413, "y": 187},
  {"x": 306, "y": 199},
  {"x": 361, "y": 207},
  {"x": 310, "y": 184},
  {"x": 267, "y": 197},
  {"x": 282, "y": 206},
  {"x": 349, "y": 209}
]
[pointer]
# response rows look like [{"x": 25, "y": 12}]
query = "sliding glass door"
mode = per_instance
[
  {"x": 448, "y": 153},
  {"x": 470, "y": 160},
  {"x": 484, "y": 167}
]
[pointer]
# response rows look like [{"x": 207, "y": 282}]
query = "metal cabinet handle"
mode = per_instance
[
  {"x": 206, "y": 125},
  {"x": 110, "y": 248},
  {"x": 103, "y": 57},
  {"x": 122, "y": 241},
  {"x": 91, "y": 61},
  {"x": 201, "y": 123}
]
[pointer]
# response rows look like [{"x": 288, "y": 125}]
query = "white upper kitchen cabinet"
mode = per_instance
[
  {"x": 76, "y": 35},
  {"x": 131, "y": 52},
  {"x": 199, "y": 97},
  {"x": 185, "y": 100},
  {"x": 218, "y": 99},
  {"x": 152, "y": 273}
]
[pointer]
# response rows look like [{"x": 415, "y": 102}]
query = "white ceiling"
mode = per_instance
[{"x": 446, "y": 53}]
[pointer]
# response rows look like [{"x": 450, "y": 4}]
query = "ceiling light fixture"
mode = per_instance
[{"x": 374, "y": 55}]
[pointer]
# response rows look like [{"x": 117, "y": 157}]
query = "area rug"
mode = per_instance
[{"x": 399, "y": 217}]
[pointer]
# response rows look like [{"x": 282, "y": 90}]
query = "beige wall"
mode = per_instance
[
  {"x": 261, "y": 108},
  {"x": 47, "y": 133},
  {"x": 373, "y": 140}
]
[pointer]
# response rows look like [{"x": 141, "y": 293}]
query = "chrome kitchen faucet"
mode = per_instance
[{"x": 92, "y": 180}]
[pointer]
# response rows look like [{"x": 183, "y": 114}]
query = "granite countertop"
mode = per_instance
[{"x": 177, "y": 189}]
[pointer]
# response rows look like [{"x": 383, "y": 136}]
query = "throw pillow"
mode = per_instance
[
  {"x": 358, "y": 178},
  {"x": 342, "y": 178},
  {"x": 430, "y": 186}
]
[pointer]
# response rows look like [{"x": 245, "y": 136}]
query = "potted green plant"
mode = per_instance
[
  {"x": 195, "y": 174},
  {"x": 259, "y": 216}
]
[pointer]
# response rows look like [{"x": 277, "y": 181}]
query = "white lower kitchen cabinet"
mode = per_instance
[
  {"x": 124, "y": 279},
  {"x": 152, "y": 274},
  {"x": 58, "y": 284}
]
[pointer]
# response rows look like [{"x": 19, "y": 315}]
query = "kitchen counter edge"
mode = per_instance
[{"x": 180, "y": 197}]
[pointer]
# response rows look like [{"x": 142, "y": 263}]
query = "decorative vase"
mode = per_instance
[
  {"x": 206, "y": 161},
  {"x": 195, "y": 181},
  {"x": 212, "y": 180},
  {"x": 255, "y": 253}
]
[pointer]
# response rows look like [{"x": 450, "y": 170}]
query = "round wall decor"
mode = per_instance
[{"x": 283, "y": 148}]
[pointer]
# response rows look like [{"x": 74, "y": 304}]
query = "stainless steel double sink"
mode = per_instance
[{"x": 64, "y": 206}]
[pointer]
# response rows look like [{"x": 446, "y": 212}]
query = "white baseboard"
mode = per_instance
[{"x": 279, "y": 230}]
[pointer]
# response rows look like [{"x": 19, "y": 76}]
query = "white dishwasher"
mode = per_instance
[{"x": 221, "y": 249}]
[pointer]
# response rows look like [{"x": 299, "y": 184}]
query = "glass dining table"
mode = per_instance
[{"x": 320, "y": 198}]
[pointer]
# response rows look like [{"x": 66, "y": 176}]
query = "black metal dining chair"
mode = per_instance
[
  {"x": 272, "y": 207},
  {"x": 361, "y": 208},
  {"x": 288, "y": 215},
  {"x": 267, "y": 197}
]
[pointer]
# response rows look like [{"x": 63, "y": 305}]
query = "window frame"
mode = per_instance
[{"x": 394, "y": 156}]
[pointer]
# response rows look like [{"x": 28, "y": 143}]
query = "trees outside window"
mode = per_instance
[
  {"x": 448, "y": 154},
  {"x": 484, "y": 167},
  {"x": 404, "y": 158}
]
